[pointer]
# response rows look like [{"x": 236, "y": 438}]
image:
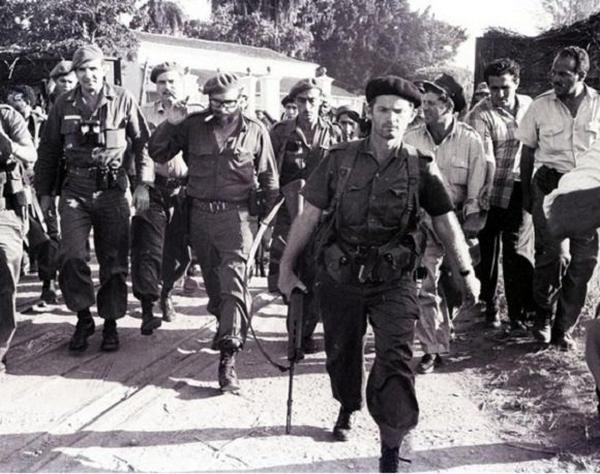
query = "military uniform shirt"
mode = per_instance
[
  {"x": 14, "y": 126},
  {"x": 215, "y": 174},
  {"x": 120, "y": 118},
  {"x": 375, "y": 196}
]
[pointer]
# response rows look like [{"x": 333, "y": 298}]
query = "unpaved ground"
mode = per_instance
[{"x": 155, "y": 404}]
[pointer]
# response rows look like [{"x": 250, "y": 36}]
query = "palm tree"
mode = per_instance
[{"x": 160, "y": 16}]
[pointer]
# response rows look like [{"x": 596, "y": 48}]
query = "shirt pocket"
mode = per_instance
[
  {"x": 459, "y": 171},
  {"x": 592, "y": 130},
  {"x": 355, "y": 200},
  {"x": 554, "y": 138},
  {"x": 70, "y": 130},
  {"x": 242, "y": 164}
]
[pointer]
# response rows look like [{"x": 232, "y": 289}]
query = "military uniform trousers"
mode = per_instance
[
  {"x": 221, "y": 241},
  {"x": 12, "y": 233},
  {"x": 392, "y": 310},
  {"x": 159, "y": 244},
  {"x": 44, "y": 242},
  {"x": 563, "y": 268},
  {"x": 83, "y": 208}
]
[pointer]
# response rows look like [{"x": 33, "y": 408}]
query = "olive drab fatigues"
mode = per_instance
[
  {"x": 93, "y": 196},
  {"x": 12, "y": 225},
  {"x": 159, "y": 240},
  {"x": 296, "y": 159},
  {"x": 366, "y": 273},
  {"x": 220, "y": 181}
]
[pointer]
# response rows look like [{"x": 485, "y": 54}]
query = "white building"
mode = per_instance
[{"x": 267, "y": 74}]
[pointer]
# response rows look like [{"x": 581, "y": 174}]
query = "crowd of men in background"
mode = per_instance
[{"x": 470, "y": 181}]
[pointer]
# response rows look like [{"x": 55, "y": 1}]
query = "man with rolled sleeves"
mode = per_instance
[
  {"x": 299, "y": 144},
  {"x": 459, "y": 155},
  {"x": 89, "y": 127},
  {"x": 16, "y": 152},
  {"x": 229, "y": 156},
  {"x": 368, "y": 193},
  {"x": 159, "y": 248},
  {"x": 557, "y": 130}
]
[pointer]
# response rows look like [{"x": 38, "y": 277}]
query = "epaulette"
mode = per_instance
[
  {"x": 426, "y": 156},
  {"x": 343, "y": 145}
]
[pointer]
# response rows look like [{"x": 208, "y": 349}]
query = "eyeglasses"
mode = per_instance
[{"x": 227, "y": 104}]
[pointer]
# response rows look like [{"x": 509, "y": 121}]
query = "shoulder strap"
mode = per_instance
[{"x": 414, "y": 207}]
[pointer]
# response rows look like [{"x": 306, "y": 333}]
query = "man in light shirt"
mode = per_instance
[
  {"x": 508, "y": 229},
  {"x": 558, "y": 128},
  {"x": 460, "y": 156}
]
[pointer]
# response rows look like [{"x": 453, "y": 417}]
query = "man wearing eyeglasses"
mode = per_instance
[
  {"x": 228, "y": 154},
  {"x": 300, "y": 144},
  {"x": 558, "y": 128}
]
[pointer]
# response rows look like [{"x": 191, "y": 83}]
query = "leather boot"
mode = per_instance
[
  {"x": 149, "y": 322},
  {"x": 85, "y": 328},
  {"x": 110, "y": 338},
  {"x": 343, "y": 425},
  {"x": 390, "y": 459},
  {"x": 228, "y": 380},
  {"x": 48, "y": 295},
  {"x": 168, "y": 309}
]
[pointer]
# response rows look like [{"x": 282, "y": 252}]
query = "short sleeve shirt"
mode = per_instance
[
  {"x": 374, "y": 201},
  {"x": 559, "y": 139}
]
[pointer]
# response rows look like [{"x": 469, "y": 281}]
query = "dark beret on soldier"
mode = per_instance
[{"x": 393, "y": 85}]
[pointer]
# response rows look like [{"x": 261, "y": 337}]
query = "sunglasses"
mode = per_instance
[{"x": 228, "y": 104}]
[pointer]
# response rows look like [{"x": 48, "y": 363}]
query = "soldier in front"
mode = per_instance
[
  {"x": 89, "y": 127},
  {"x": 229, "y": 157},
  {"x": 368, "y": 194}
]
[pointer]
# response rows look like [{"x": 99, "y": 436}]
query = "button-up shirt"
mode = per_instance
[
  {"x": 119, "y": 118},
  {"x": 296, "y": 157},
  {"x": 176, "y": 168},
  {"x": 498, "y": 130},
  {"x": 214, "y": 173},
  {"x": 559, "y": 139},
  {"x": 461, "y": 160},
  {"x": 375, "y": 198}
]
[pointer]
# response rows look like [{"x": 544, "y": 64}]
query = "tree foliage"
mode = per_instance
[
  {"x": 566, "y": 12},
  {"x": 160, "y": 16}
]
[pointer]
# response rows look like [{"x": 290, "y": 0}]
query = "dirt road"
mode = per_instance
[{"x": 155, "y": 405}]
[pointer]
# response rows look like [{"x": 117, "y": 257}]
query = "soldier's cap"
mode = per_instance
[
  {"x": 345, "y": 110},
  {"x": 162, "y": 68},
  {"x": 287, "y": 100},
  {"x": 482, "y": 88},
  {"x": 61, "y": 69},
  {"x": 221, "y": 83},
  {"x": 393, "y": 85},
  {"x": 85, "y": 54},
  {"x": 303, "y": 86},
  {"x": 446, "y": 85}
]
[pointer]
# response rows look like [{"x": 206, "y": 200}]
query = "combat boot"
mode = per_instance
[
  {"x": 168, "y": 309},
  {"x": 228, "y": 380},
  {"x": 542, "y": 330},
  {"x": 48, "y": 295},
  {"x": 149, "y": 321},
  {"x": 85, "y": 328},
  {"x": 110, "y": 338},
  {"x": 343, "y": 425}
]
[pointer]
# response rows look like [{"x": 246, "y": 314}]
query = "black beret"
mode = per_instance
[
  {"x": 393, "y": 85},
  {"x": 61, "y": 69},
  {"x": 447, "y": 85},
  {"x": 303, "y": 86},
  {"x": 162, "y": 68},
  {"x": 287, "y": 100}
]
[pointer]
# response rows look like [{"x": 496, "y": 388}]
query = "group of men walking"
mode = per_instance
[{"x": 398, "y": 227}]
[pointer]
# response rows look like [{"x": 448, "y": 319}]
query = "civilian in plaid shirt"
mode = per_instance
[{"x": 508, "y": 226}]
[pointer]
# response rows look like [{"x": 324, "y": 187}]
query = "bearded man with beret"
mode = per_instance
[
  {"x": 229, "y": 156},
  {"x": 89, "y": 127},
  {"x": 367, "y": 195}
]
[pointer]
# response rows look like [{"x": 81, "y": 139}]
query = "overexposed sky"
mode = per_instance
[{"x": 523, "y": 16}]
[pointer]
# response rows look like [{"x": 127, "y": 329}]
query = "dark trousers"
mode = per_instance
[
  {"x": 82, "y": 209},
  {"x": 222, "y": 242},
  {"x": 392, "y": 310},
  {"x": 563, "y": 268},
  {"x": 159, "y": 247},
  {"x": 12, "y": 233},
  {"x": 509, "y": 231}
]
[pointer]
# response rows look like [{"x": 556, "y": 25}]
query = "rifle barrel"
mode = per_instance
[{"x": 290, "y": 401}]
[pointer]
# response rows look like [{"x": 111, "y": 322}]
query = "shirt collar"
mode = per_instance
[{"x": 452, "y": 131}]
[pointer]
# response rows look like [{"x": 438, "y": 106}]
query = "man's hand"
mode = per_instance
[
  {"x": 288, "y": 281},
  {"x": 45, "y": 204},
  {"x": 471, "y": 288},
  {"x": 473, "y": 224},
  {"x": 141, "y": 198},
  {"x": 177, "y": 112},
  {"x": 6, "y": 146}
]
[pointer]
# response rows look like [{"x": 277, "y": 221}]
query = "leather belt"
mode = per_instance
[
  {"x": 82, "y": 172},
  {"x": 170, "y": 183},
  {"x": 215, "y": 207}
]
